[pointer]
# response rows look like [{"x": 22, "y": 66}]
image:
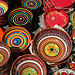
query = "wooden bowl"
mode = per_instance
[{"x": 28, "y": 64}]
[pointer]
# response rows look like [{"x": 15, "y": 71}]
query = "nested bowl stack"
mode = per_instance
[
  {"x": 64, "y": 72},
  {"x": 21, "y": 16},
  {"x": 66, "y": 5},
  {"x": 28, "y": 65},
  {"x": 5, "y": 59},
  {"x": 52, "y": 45},
  {"x": 3, "y": 12},
  {"x": 54, "y": 17},
  {"x": 18, "y": 39},
  {"x": 71, "y": 62},
  {"x": 34, "y": 5}
]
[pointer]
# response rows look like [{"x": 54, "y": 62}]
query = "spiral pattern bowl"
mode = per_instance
[{"x": 17, "y": 38}]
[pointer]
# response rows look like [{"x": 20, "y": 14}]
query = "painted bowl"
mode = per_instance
[
  {"x": 73, "y": 35},
  {"x": 73, "y": 19},
  {"x": 1, "y": 34},
  {"x": 61, "y": 3},
  {"x": 3, "y": 7},
  {"x": 32, "y": 4},
  {"x": 20, "y": 16},
  {"x": 28, "y": 65},
  {"x": 71, "y": 62},
  {"x": 4, "y": 54},
  {"x": 54, "y": 17},
  {"x": 17, "y": 38},
  {"x": 52, "y": 45},
  {"x": 64, "y": 72}
]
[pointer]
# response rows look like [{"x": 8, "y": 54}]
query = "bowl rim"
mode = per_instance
[
  {"x": 57, "y": 11},
  {"x": 51, "y": 29},
  {"x": 18, "y": 27},
  {"x": 6, "y": 5},
  {"x": 29, "y": 55}
]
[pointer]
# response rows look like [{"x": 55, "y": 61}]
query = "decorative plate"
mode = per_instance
[
  {"x": 31, "y": 4},
  {"x": 54, "y": 17},
  {"x": 17, "y": 38},
  {"x": 20, "y": 16},
  {"x": 4, "y": 53},
  {"x": 52, "y": 45},
  {"x": 71, "y": 62},
  {"x": 61, "y": 3},
  {"x": 28, "y": 65},
  {"x": 3, "y": 7},
  {"x": 64, "y": 72}
]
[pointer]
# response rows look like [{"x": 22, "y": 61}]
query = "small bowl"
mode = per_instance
[
  {"x": 54, "y": 17},
  {"x": 64, "y": 72},
  {"x": 3, "y": 8},
  {"x": 28, "y": 64},
  {"x": 4, "y": 54},
  {"x": 17, "y": 38},
  {"x": 20, "y": 16},
  {"x": 52, "y": 45},
  {"x": 32, "y": 4}
]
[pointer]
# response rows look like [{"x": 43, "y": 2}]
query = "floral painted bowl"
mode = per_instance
[
  {"x": 54, "y": 17},
  {"x": 32, "y": 4},
  {"x": 20, "y": 16},
  {"x": 4, "y": 54},
  {"x": 52, "y": 45},
  {"x": 17, "y": 38},
  {"x": 64, "y": 72},
  {"x": 28, "y": 65}
]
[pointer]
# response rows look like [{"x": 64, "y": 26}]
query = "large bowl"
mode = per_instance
[
  {"x": 54, "y": 17},
  {"x": 17, "y": 38},
  {"x": 32, "y": 4},
  {"x": 64, "y": 72},
  {"x": 28, "y": 65},
  {"x": 52, "y": 45},
  {"x": 20, "y": 16},
  {"x": 4, "y": 54}
]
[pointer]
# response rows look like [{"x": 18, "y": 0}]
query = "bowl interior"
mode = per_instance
[
  {"x": 48, "y": 42},
  {"x": 28, "y": 64},
  {"x": 17, "y": 38},
  {"x": 20, "y": 16},
  {"x": 3, "y": 7},
  {"x": 31, "y": 4}
]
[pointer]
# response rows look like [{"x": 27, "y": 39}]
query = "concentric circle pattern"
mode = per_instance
[
  {"x": 28, "y": 65},
  {"x": 1, "y": 57},
  {"x": 20, "y": 16},
  {"x": 3, "y": 7},
  {"x": 31, "y": 4},
  {"x": 17, "y": 38},
  {"x": 52, "y": 45}
]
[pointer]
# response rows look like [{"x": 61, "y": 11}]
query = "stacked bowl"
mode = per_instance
[
  {"x": 18, "y": 39},
  {"x": 28, "y": 65},
  {"x": 21, "y": 16},
  {"x": 5, "y": 59},
  {"x": 3, "y": 12},
  {"x": 66, "y": 5},
  {"x": 52, "y": 45}
]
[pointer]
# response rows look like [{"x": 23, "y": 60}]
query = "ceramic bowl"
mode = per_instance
[
  {"x": 64, "y": 72},
  {"x": 32, "y": 4},
  {"x": 3, "y": 8},
  {"x": 1, "y": 32},
  {"x": 17, "y": 38},
  {"x": 52, "y": 45},
  {"x": 28, "y": 65},
  {"x": 71, "y": 62},
  {"x": 20, "y": 16},
  {"x": 4, "y": 54},
  {"x": 73, "y": 35},
  {"x": 54, "y": 17}
]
